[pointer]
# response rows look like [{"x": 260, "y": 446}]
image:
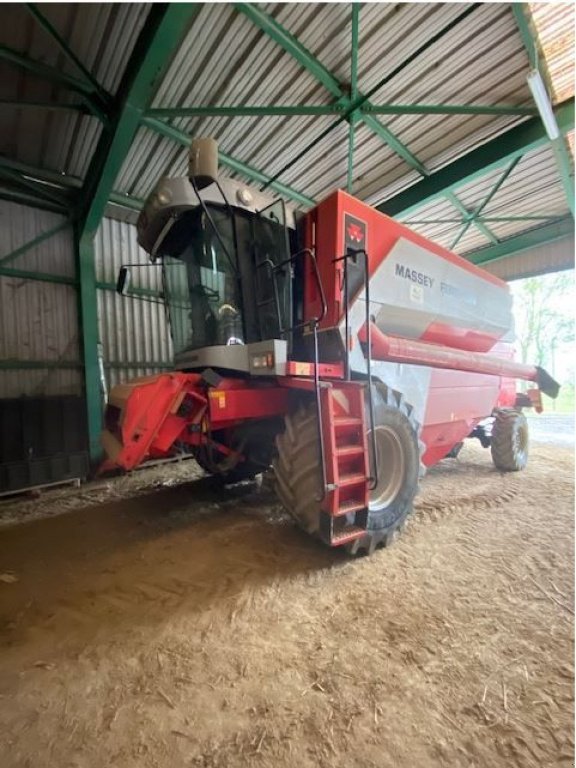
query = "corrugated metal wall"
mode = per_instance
[
  {"x": 133, "y": 330},
  {"x": 42, "y": 405},
  {"x": 38, "y": 319}
]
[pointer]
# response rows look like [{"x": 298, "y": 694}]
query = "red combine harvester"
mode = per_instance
[{"x": 337, "y": 346}]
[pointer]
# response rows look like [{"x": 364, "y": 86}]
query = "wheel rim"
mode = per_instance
[
  {"x": 391, "y": 468},
  {"x": 520, "y": 441}
]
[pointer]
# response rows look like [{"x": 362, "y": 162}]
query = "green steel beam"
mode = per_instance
[
  {"x": 158, "y": 126},
  {"x": 134, "y": 364},
  {"x": 63, "y": 181},
  {"x": 528, "y": 38},
  {"x": 556, "y": 230},
  {"x": 310, "y": 63},
  {"x": 516, "y": 142},
  {"x": 363, "y": 99},
  {"x": 45, "y": 106},
  {"x": 565, "y": 167},
  {"x": 448, "y": 109},
  {"x": 353, "y": 92},
  {"x": 33, "y": 243},
  {"x": 46, "y": 72},
  {"x": 476, "y": 213},
  {"x": 243, "y": 110},
  {"x": 292, "y": 46},
  {"x": 42, "y": 174},
  {"x": 393, "y": 142},
  {"x": 118, "y": 198},
  {"x": 43, "y": 277},
  {"x": 33, "y": 365},
  {"x": 469, "y": 218},
  {"x": 562, "y": 157},
  {"x": 27, "y": 365},
  {"x": 22, "y": 198},
  {"x": 497, "y": 186},
  {"x": 494, "y": 219},
  {"x": 70, "y": 55},
  {"x": 157, "y": 42},
  {"x": 38, "y": 189}
]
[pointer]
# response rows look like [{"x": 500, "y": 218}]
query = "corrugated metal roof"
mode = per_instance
[
  {"x": 481, "y": 61},
  {"x": 102, "y": 35},
  {"x": 554, "y": 24}
]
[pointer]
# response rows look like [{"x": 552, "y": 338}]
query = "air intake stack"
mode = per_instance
[{"x": 203, "y": 162}]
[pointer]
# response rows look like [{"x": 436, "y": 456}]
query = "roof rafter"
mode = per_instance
[
  {"x": 45, "y": 105},
  {"x": 36, "y": 188},
  {"x": 481, "y": 161},
  {"x": 46, "y": 72},
  {"x": 265, "y": 110},
  {"x": 469, "y": 218},
  {"x": 475, "y": 217},
  {"x": 309, "y": 62},
  {"x": 62, "y": 181},
  {"x": 66, "y": 50}
]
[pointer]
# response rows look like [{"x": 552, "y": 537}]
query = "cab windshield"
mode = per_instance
[{"x": 201, "y": 282}]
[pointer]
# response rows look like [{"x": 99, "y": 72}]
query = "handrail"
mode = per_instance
[{"x": 353, "y": 254}]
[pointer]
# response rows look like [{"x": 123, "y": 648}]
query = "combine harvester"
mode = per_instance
[{"x": 337, "y": 346}]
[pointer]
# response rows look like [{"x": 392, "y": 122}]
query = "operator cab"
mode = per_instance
[{"x": 227, "y": 281}]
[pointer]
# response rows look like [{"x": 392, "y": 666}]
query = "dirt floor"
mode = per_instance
[{"x": 162, "y": 624}]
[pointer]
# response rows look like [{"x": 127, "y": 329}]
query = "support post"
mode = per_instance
[{"x": 158, "y": 40}]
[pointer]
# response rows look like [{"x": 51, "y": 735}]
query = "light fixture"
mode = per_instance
[{"x": 540, "y": 94}]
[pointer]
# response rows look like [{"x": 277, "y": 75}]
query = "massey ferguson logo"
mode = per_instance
[{"x": 354, "y": 233}]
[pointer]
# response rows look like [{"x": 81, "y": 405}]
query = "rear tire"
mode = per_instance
[
  {"x": 299, "y": 475},
  {"x": 510, "y": 441}
]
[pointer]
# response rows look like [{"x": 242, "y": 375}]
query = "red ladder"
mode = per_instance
[{"x": 344, "y": 509}]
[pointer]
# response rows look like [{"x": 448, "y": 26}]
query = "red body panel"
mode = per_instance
[
  {"x": 455, "y": 400},
  {"x": 326, "y": 235}
]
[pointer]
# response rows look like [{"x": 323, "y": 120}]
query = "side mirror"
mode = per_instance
[{"x": 123, "y": 282}]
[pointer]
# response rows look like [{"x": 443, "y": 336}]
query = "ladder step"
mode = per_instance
[
  {"x": 346, "y": 422},
  {"x": 348, "y": 534},
  {"x": 357, "y": 479},
  {"x": 349, "y": 450},
  {"x": 347, "y": 507}
]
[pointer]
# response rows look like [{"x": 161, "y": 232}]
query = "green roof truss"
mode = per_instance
[
  {"x": 516, "y": 142},
  {"x": 310, "y": 63}
]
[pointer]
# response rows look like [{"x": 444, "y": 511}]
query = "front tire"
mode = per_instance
[
  {"x": 299, "y": 475},
  {"x": 509, "y": 442}
]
